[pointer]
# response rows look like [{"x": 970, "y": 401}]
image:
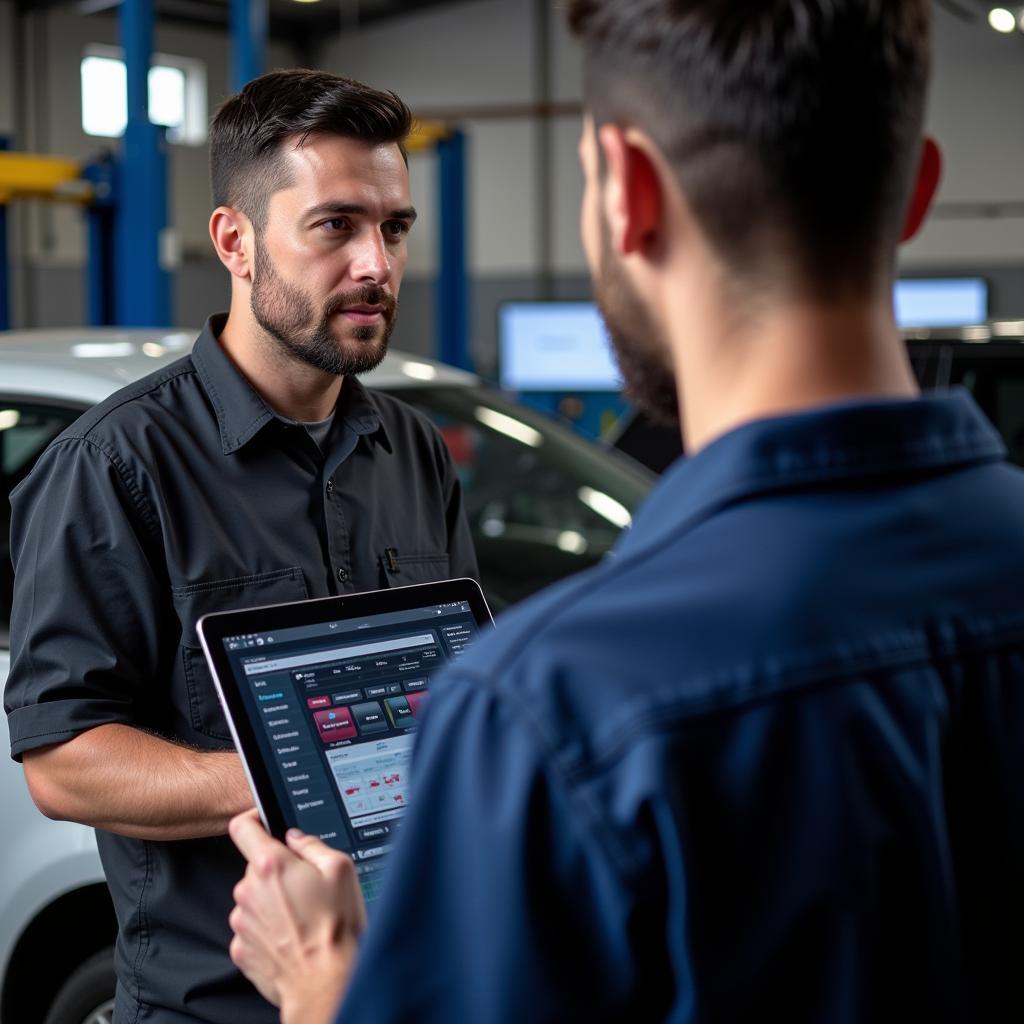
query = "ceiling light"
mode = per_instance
[{"x": 1002, "y": 20}]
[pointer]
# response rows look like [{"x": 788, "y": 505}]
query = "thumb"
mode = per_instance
[{"x": 313, "y": 851}]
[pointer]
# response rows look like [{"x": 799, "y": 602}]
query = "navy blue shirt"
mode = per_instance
[{"x": 766, "y": 762}]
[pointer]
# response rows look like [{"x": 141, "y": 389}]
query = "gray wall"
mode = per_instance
[{"x": 523, "y": 209}]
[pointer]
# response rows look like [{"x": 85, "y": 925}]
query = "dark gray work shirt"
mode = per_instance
[{"x": 180, "y": 495}]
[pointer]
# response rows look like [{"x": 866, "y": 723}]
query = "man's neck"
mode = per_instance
[
  {"x": 292, "y": 388},
  {"x": 792, "y": 358}
]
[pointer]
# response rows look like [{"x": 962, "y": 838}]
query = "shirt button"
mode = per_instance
[
  {"x": 343, "y": 575},
  {"x": 330, "y": 486}
]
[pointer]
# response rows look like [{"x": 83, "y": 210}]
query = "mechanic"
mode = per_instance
[
  {"x": 255, "y": 470},
  {"x": 765, "y": 762}
]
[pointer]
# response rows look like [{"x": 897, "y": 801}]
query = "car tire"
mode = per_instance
[{"x": 87, "y": 997}]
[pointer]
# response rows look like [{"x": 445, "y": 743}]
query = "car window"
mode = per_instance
[
  {"x": 25, "y": 431},
  {"x": 542, "y": 503}
]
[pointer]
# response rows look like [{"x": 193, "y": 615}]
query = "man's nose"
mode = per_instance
[{"x": 371, "y": 263}]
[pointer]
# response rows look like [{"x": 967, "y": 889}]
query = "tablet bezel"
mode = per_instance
[{"x": 214, "y": 627}]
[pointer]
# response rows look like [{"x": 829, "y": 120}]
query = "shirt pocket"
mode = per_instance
[
  {"x": 399, "y": 569},
  {"x": 195, "y": 600}
]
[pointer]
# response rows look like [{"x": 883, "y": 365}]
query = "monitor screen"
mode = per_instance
[
  {"x": 555, "y": 346},
  {"x": 941, "y": 302}
]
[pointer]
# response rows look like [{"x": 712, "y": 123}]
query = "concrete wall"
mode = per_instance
[{"x": 974, "y": 113}]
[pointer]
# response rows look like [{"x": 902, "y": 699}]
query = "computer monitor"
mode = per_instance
[
  {"x": 941, "y": 301},
  {"x": 555, "y": 346}
]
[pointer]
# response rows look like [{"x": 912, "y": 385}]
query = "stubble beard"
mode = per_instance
[
  {"x": 289, "y": 316},
  {"x": 640, "y": 350}
]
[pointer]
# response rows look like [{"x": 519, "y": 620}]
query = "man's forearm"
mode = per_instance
[{"x": 124, "y": 780}]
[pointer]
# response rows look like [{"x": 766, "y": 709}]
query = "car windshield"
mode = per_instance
[{"x": 542, "y": 503}]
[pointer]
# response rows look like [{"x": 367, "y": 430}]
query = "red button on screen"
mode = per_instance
[{"x": 335, "y": 724}]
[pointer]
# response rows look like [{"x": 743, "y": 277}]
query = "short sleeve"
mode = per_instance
[
  {"x": 84, "y": 637},
  {"x": 499, "y": 906}
]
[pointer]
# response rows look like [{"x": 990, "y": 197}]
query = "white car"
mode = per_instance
[{"x": 541, "y": 501}]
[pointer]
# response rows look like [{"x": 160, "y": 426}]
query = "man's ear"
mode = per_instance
[
  {"x": 928, "y": 173},
  {"x": 633, "y": 195},
  {"x": 231, "y": 231}
]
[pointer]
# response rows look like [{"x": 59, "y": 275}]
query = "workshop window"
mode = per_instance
[{"x": 177, "y": 95}]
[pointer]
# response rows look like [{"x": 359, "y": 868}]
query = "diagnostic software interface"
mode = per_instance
[{"x": 334, "y": 708}]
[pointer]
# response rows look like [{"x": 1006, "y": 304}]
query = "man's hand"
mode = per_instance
[{"x": 298, "y": 917}]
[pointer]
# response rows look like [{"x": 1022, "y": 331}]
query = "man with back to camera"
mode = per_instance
[
  {"x": 765, "y": 762},
  {"x": 255, "y": 470}
]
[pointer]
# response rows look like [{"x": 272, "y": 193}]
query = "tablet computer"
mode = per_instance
[{"x": 322, "y": 698}]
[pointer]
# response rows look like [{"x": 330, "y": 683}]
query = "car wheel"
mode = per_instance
[{"x": 87, "y": 997}]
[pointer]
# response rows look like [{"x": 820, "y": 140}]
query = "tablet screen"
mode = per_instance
[{"x": 333, "y": 707}]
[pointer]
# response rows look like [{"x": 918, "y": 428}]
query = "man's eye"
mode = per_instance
[
  {"x": 397, "y": 228},
  {"x": 336, "y": 224}
]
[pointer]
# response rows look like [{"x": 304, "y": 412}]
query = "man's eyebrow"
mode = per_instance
[{"x": 334, "y": 209}]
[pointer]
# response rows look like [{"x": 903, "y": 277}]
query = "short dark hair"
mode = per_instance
[
  {"x": 793, "y": 126},
  {"x": 249, "y": 129}
]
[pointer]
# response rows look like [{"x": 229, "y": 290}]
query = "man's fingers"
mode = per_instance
[
  {"x": 314, "y": 852},
  {"x": 338, "y": 869},
  {"x": 249, "y": 835}
]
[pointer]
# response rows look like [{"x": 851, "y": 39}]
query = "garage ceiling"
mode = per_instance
[{"x": 287, "y": 17}]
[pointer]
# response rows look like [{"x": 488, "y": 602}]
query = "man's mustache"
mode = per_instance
[{"x": 367, "y": 295}]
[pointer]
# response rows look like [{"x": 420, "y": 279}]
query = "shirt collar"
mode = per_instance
[
  {"x": 241, "y": 411},
  {"x": 845, "y": 441}
]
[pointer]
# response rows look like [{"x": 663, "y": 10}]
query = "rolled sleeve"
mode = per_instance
[{"x": 84, "y": 623}]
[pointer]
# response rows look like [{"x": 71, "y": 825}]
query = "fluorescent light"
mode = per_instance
[
  {"x": 509, "y": 426},
  {"x": 9, "y": 418},
  {"x": 1001, "y": 19},
  {"x": 605, "y": 506}
]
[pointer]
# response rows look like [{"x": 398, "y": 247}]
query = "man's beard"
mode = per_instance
[
  {"x": 640, "y": 351},
  {"x": 288, "y": 314}
]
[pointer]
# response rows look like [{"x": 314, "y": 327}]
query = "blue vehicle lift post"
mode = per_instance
[
  {"x": 248, "y": 40},
  {"x": 140, "y": 220},
  {"x": 452, "y": 310}
]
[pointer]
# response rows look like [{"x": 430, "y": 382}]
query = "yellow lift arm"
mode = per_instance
[{"x": 29, "y": 176}]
